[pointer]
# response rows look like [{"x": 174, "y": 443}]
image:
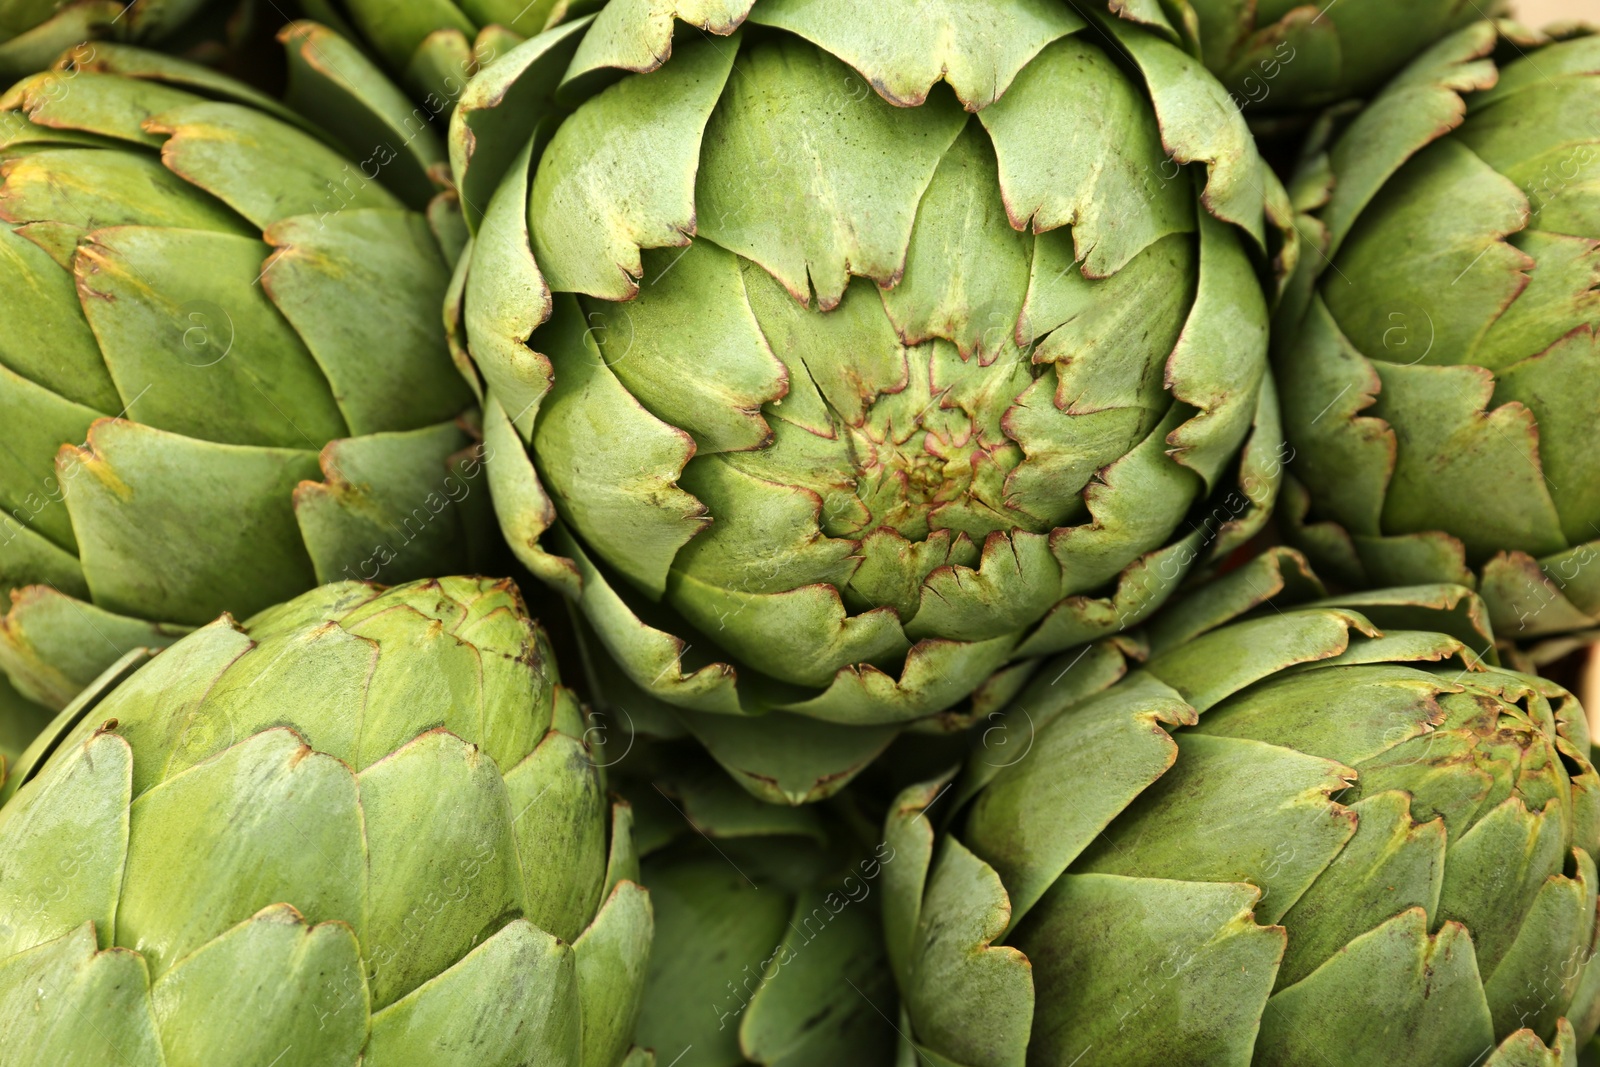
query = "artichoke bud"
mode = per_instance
[
  {"x": 1446, "y": 339},
  {"x": 864, "y": 353},
  {"x": 359, "y": 801},
  {"x": 227, "y": 380},
  {"x": 1330, "y": 829}
]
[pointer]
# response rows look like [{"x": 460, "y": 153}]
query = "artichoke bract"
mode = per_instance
[
  {"x": 1327, "y": 832},
  {"x": 1283, "y": 55},
  {"x": 363, "y": 825},
  {"x": 1447, "y": 346},
  {"x": 223, "y": 376},
  {"x": 435, "y": 46},
  {"x": 832, "y": 391},
  {"x": 768, "y": 942}
]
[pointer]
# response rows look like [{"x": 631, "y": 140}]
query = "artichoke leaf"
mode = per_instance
[
  {"x": 37, "y": 545},
  {"x": 1392, "y": 864},
  {"x": 1137, "y": 503},
  {"x": 1562, "y": 414},
  {"x": 612, "y": 956},
  {"x": 505, "y": 299},
  {"x": 908, "y": 833},
  {"x": 805, "y": 1014},
  {"x": 1268, "y": 814},
  {"x": 47, "y": 342},
  {"x": 91, "y": 101},
  {"x": 1534, "y": 982},
  {"x": 692, "y": 311},
  {"x": 381, "y": 364},
  {"x": 1114, "y": 185},
  {"x": 499, "y": 110},
  {"x": 1524, "y": 1049},
  {"x": 1453, "y": 439},
  {"x": 384, "y": 509},
  {"x": 1344, "y": 459},
  {"x": 317, "y": 999},
  {"x": 1229, "y": 316},
  {"x": 934, "y": 676},
  {"x": 768, "y": 625},
  {"x": 784, "y": 758},
  {"x": 1280, "y": 575},
  {"x": 1421, "y": 104},
  {"x": 619, "y": 174},
  {"x": 766, "y": 537},
  {"x": 1217, "y": 665},
  {"x": 854, "y": 169},
  {"x": 317, "y": 678},
  {"x": 909, "y": 45},
  {"x": 77, "y": 1006},
  {"x": 28, "y": 48},
  {"x": 1189, "y": 954},
  {"x": 263, "y": 168},
  {"x": 1394, "y": 992},
  {"x": 157, "y": 543},
  {"x": 1495, "y": 871},
  {"x": 196, "y": 347},
  {"x": 975, "y": 997},
  {"x": 1200, "y": 123},
  {"x": 433, "y": 906},
  {"x": 1430, "y": 303},
  {"x": 363, "y": 112},
  {"x": 962, "y": 249},
  {"x": 612, "y": 464},
  {"x": 294, "y": 834},
  {"x": 651, "y": 657},
  {"x": 715, "y": 933},
  {"x": 559, "y": 819},
  {"x": 638, "y": 35},
  {"x": 510, "y": 1000},
  {"x": 397, "y": 31},
  {"x": 1017, "y": 581},
  {"x": 53, "y": 645},
  {"x": 47, "y": 894},
  {"x": 1084, "y": 768}
]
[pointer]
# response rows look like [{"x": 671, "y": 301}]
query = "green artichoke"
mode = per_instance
[
  {"x": 1287, "y": 55},
  {"x": 435, "y": 46},
  {"x": 1326, "y": 833},
  {"x": 769, "y": 946},
  {"x": 835, "y": 393},
  {"x": 363, "y": 826},
  {"x": 223, "y": 375},
  {"x": 1437, "y": 376}
]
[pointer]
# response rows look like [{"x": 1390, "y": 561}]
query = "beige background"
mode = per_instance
[{"x": 1539, "y": 12}]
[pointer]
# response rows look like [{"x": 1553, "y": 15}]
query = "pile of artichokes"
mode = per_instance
[{"x": 957, "y": 533}]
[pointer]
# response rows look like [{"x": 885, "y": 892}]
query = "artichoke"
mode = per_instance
[
  {"x": 1448, "y": 350},
  {"x": 223, "y": 376},
  {"x": 1283, "y": 55},
  {"x": 435, "y": 46},
  {"x": 1327, "y": 832},
  {"x": 835, "y": 394},
  {"x": 364, "y": 825},
  {"x": 769, "y": 947}
]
